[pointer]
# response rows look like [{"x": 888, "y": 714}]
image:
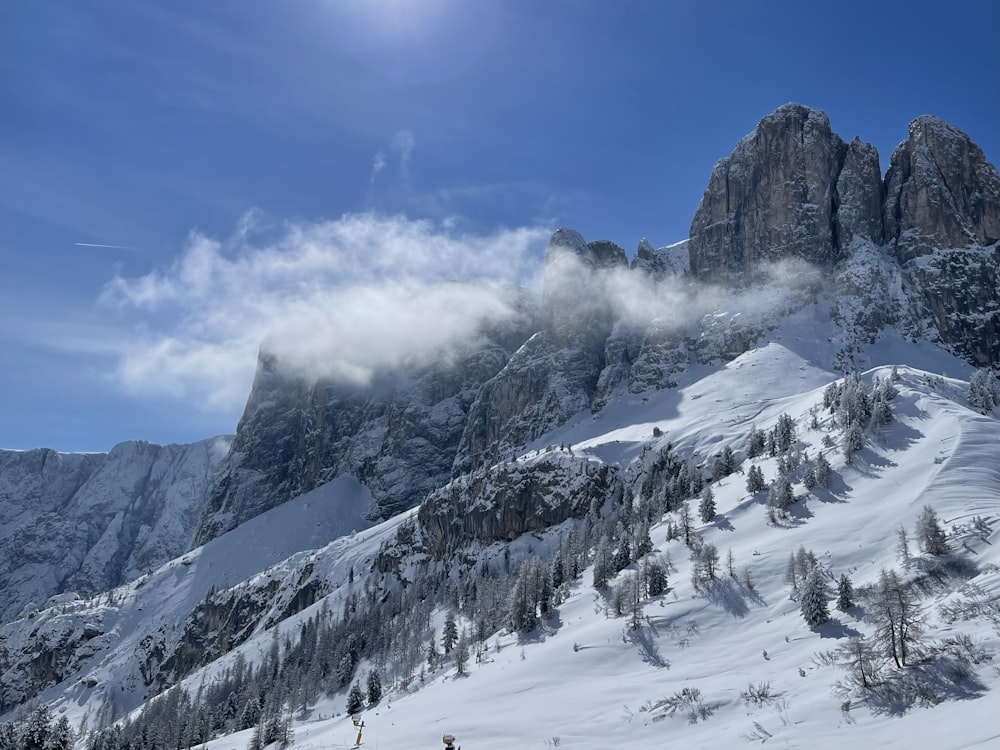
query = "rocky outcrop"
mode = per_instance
[
  {"x": 510, "y": 499},
  {"x": 778, "y": 196},
  {"x": 942, "y": 219},
  {"x": 555, "y": 374},
  {"x": 398, "y": 436},
  {"x": 941, "y": 193},
  {"x": 89, "y": 522},
  {"x": 793, "y": 189},
  {"x": 859, "y": 197}
]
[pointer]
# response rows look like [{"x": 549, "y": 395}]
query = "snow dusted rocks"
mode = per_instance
[
  {"x": 554, "y": 375},
  {"x": 512, "y": 498},
  {"x": 89, "y": 522},
  {"x": 793, "y": 189},
  {"x": 775, "y": 197},
  {"x": 940, "y": 192},
  {"x": 398, "y": 436},
  {"x": 942, "y": 218}
]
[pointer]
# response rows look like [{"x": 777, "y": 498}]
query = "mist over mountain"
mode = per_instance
[{"x": 530, "y": 465}]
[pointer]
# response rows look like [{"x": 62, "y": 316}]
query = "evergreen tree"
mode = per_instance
[
  {"x": 706, "y": 508},
  {"x": 984, "y": 394},
  {"x": 845, "y": 593},
  {"x": 687, "y": 531},
  {"x": 781, "y": 496},
  {"x": 355, "y": 699},
  {"x": 755, "y": 480},
  {"x": 823, "y": 471},
  {"x": 602, "y": 564},
  {"x": 61, "y": 737},
  {"x": 756, "y": 443},
  {"x": 656, "y": 578},
  {"x": 930, "y": 536},
  {"x": 432, "y": 653},
  {"x": 809, "y": 480},
  {"x": 374, "y": 687},
  {"x": 854, "y": 440},
  {"x": 643, "y": 541},
  {"x": 37, "y": 728},
  {"x": 813, "y": 602},
  {"x": 791, "y": 572},
  {"x": 450, "y": 633},
  {"x": 461, "y": 655}
]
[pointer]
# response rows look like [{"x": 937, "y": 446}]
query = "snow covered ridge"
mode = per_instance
[
  {"x": 89, "y": 522},
  {"x": 669, "y": 637}
]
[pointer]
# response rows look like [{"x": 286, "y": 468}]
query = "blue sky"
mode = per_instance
[{"x": 181, "y": 179}]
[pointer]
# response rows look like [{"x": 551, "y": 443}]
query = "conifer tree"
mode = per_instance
[
  {"x": 687, "y": 532},
  {"x": 813, "y": 603},
  {"x": 706, "y": 508},
  {"x": 845, "y": 593},
  {"x": 823, "y": 471},
  {"x": 863, "y": 663},
  {"x": 449, "y": 635},
  {"x": 898, "y": 622},
  {"x": 355, "y": 699},
  {"x": 903, "y": 547},
  {"x": 930, "y": 536},
  {"x": 755, "y": 480},
  {"x": 374, "y": 687},
  {"x": 656, "y": 578}
]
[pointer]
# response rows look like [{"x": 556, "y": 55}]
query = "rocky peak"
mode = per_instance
[
  {"x": 790, "y": 189},
  {"x": 940, "y": 192},
  {"x": 661, "y": 262}
]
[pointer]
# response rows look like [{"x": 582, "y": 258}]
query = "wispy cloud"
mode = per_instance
[
  {"x": 336, "y": 298},
  {"x": 400, "y": 153},
  {"x": 403, "y": 144},
  {"x": 378, "y": 164}
]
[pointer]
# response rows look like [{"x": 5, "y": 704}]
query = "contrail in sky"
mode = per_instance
[{"x": 95, "y": 244}]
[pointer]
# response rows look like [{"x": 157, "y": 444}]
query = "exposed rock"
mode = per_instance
[
  {"x": 554, "y": 375},
  {"x": 942, "y": 218},
  {"x": 510, "y": 499},
  {"x": 89, "y": 522},
  {"x": 774, "y": 197},
  {"x": 398, "y": 436},
  {"x": 940, "y": 192},
  {"x": 659, "y": 263},
  {"x": 859, "y": 194}
]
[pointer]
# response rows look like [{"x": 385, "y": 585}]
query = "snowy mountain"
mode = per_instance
[
  {"x": 89, "y": 522},
  {"x": 632, "y": 509}
]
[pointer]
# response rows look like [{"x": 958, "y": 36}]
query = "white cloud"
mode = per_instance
[
  {"x": 343, "y": 298},
  {"x": 334, "y": 298}
]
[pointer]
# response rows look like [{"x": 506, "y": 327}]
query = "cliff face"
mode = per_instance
[
  {"x": 89, "y": 522},
  {"x": 942, "y": 219},
  {"x": 790, "y": 189},
  {"x": 555, "y": 374},
  {"x": 506, "y": 500},
  {"x": 398, "y": 436}
]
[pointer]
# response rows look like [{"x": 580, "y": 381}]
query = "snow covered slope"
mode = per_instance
[{"x": 585, "y": 677}]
